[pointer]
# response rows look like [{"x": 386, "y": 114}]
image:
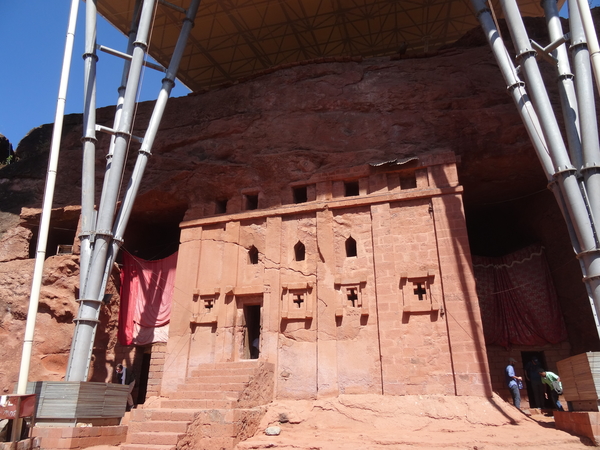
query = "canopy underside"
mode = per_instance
[{"x": 233, "y": 39}]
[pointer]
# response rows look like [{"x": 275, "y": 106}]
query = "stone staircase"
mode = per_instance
[{"x": 219, "y": 405}]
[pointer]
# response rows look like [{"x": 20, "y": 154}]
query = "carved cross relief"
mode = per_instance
[
  {"x": 297, "y": 301},
  {"x": 205, "y": 306},
  {"x": 351, "y": 300},
  {"x": 416, "y": 292}
]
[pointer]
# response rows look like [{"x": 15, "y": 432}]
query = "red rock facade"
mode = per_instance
[{"x": 359, "y": 282}]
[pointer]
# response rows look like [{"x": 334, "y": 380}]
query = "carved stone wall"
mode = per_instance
[{"x": 367, "y": 288}]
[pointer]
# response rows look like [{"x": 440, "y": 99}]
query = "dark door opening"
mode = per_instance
[
  {"x": 252, "y": 342},
  {"x": 143, "y": 378},
  {"x": 533, "y": 362}
]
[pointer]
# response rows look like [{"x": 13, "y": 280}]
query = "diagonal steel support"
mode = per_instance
[
  {"x": 570, "y": 167},
  {"x": 104, "y": 234}
]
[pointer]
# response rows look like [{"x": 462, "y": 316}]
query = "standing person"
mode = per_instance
[
  {"x": 126, "y": 376},
  {"x": 532, "y": 373},
  {"x": 553, "y": 380},
  {"x": 512, "y": 382},
  {"x": 255, "y": 348}
]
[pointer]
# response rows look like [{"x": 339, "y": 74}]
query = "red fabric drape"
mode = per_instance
[
  {"x": 517, "y": 299},
  {"x": 146, "y": 295}
]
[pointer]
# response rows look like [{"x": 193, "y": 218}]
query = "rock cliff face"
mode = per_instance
[{"x": 277, "y": 128}]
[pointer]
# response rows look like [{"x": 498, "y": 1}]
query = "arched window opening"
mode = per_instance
[
  {"x": 350, "y": 247},
  {"x": 299, "y": 251},
  {"x": 253, "y": 255}
]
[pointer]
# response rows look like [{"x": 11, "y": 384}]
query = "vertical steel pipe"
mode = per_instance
[
  {"x": 587, "y": 111},
  {"x": 47, "y": 203},
  {"x": 566, "y": 88},
  {"x": 566, "y": 174},
  {"x": 591, "y": 36},
  {"x": 42, "y": 242},
  {"x": 91, "y": 298},
  {"x": 146, "y": 150},
  {"x": 135, "y": 22},
  {"x": 564, "y": 184},
  {"x": 514, "y": 86},
  {"x": 88, "y": 186}
]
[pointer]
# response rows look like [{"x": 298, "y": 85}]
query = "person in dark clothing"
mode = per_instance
[
  {"x": 532, "y": 373},
  {"x": 126, "y": 376}
]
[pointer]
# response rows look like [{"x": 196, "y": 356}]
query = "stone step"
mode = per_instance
[
  {"x": 179, "y": 414},
  {"x": 147, "y": 447},
  {"x": 155, "y": 438},
  {"x": 198, "y": 404},
  {"x": 226, "y": 369},
  {"x": 220, "y": 373},
  {"x": 244, "y": 364},
  {"x": 151, "y": 426},
  {"x": 230, "y": 378},
  {"x": 205, "y": 395},
  {"x": 206, "y": 386}
]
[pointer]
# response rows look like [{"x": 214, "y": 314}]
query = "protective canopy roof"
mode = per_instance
[{"x": 233, "y": 39}]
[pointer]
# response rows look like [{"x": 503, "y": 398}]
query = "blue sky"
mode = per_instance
[{"x": 32, "y": 42}]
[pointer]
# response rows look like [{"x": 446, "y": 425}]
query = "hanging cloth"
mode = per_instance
[
  {"x": 517, "y": 299},
  {"x": 146, "y": 297}
]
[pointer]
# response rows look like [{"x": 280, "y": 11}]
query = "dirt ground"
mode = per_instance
[{"x": 372, "y": 422}]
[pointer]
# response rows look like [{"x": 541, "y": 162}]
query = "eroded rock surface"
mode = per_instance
[{"x": 276, "y": 129}]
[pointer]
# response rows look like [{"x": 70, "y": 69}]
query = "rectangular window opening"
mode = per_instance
[
  {"x": 221, "y": 206},
  {"x": 251, "y": 201},
  {"x": 351, "y": 188},
  {"x": 300, "y": 194},
  {"x": 408, "y": 181}
]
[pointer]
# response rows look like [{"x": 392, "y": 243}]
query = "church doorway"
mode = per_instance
[
  {"x": 252, "y": 331},
  {"x": 248, "y": 328}
]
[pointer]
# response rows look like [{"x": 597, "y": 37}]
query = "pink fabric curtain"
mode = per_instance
[
  {"x": 146, "y": 295},
  {"x": 517, "y": 299}
]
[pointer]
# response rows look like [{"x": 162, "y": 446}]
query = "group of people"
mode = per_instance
[{"x": 540, "y": 380}]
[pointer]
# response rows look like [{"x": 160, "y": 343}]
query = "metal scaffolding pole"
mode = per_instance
[
  {"x": 107, "y": 236},
  {"x": 584, "y": 86},
  {"x": 91, "y": 297},
  {"x": 48, "y": 198},
  {"x": 88, "y": 215},
  {"x": 135, "y": 23},
  {"x": 566, "y": 87},
  {"x": 544, "y": 131},
  {"x": 146, "y": 149},
  {"x": 42, "y": 242}
]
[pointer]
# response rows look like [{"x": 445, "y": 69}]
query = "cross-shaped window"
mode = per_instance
[
  {"x": 298, "y": 299},
  {"x": 352, "y": 296},
  {"x": 209, "y": 303},
  {"x": 420, "y": 291}
]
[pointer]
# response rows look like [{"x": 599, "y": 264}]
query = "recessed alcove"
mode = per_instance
[
  {"x": 350, "y": 247},
  {"x": 351, "y": 188},
  {"x": 221, "y": 206},
  {"x": 250, "y": 202},
  {"x": 62, "y": 231},
  {"x": 300, "y": 194},
  {"x": 408, "y": 180},
  {"x": 253, "y": 255},
  {"x": 299, "y": 251},
  {"x": 153, "y": 235}
]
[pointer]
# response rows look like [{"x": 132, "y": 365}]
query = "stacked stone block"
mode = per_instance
[{"x": 211, "y": 410}]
